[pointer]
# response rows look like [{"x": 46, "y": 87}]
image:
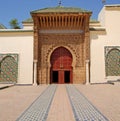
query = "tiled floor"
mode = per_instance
[
  {"x": 38, "y": 111},
  {"x": 16, "y": 99},
  {"x": 82, "y": 108},
  {"x": 105, "y": 97},
  {"x": 58, "y": 105},
  {"x": 61, "y": 109}
]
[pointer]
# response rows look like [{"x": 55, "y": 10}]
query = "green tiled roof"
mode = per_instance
[
  {"x": 61, "y": 9},
  {"x": 2, "y": 26},
  {"x": 29, "y": 20}
]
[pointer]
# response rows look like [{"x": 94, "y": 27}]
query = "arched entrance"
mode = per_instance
[{"x": 61, "y": 66}]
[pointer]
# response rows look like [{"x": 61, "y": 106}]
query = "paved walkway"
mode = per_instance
[
  {"x": 61, "y": 109},
  {"x": 16, "y": 99},
  {"x": 61, "y": 104},
  {"x": 82, "y": 108},
  {"x": 39, "y": 109},
  {"x": 105, "y": 97}
]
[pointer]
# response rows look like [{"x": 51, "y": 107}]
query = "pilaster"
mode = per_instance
[
  {"x": 35, "y": 72},
  {"x": 87, "y": 71}
]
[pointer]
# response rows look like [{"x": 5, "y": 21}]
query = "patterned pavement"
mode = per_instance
[
  {"x": 60, "y": 109},
  {"x": 38, "y": 111},
  {"x": 83, "y": 110}
]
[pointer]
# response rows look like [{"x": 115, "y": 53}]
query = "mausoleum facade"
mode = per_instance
[{"x": 62, "y": 45}]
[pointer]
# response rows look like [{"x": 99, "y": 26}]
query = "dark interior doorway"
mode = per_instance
[
  {"x": 67, "y": 76},
  {"x": 55, "y": 77}
]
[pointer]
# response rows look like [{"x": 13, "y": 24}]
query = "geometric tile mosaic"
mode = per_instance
[
  {"x": 82, "y": 108},
  {"x": 38, "y": 111},
  {"x": 112, "y": 61},
  {"x": 8, "y": 68}
]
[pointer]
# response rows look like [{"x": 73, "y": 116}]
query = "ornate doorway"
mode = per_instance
[{"x": 61, "y": 66}]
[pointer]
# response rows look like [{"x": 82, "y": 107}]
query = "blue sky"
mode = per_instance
[{"x": 20, "y": 9}]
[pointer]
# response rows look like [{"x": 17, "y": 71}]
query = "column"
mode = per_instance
[
  {"x": 35, "y": 73},
  {"x": 87, "y": 72}
]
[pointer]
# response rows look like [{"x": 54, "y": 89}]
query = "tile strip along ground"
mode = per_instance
[
  {"x": 39, "y": 109},
  {"x": 60, "y": 109},
  {"x": 83, "y": 110}
]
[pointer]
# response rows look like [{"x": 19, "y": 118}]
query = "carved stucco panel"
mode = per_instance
[{"x": 50, "y": 41}]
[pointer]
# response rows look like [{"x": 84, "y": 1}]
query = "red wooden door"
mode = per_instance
[
  {"x": 61, "y": 61},
  {"x": 61, "y": 77}
]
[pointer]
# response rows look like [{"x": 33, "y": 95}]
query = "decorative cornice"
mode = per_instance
[
  {"x": 97, "y": 29},
  {"x": 15, "y": 30},
  {"x": 61, "y": 31},
  {"x": 113, "y": 7}
]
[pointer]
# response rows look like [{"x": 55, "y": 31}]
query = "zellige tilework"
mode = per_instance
[
  {"x": 8, "y": 68},
  {"x": 83, "y": 110},
  {"x": 112, "y": 61}
]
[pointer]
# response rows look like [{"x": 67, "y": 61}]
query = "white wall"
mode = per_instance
[
  {"x": 97, "y": 70},
  {"x": 28, "y": 26},
  {"x": 110, "y": 37},
  {"x": 101, "y": 17},
  {"x": 22, "y": 44}
]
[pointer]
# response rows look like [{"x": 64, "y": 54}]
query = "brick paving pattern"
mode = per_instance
[
  {"x": 38, "y": 111},
  {"x": 105, "y": 97},
  {"x": 61, "y": 109},
  {"x": 16, "y": 99},
  {"x": 82, "y": 108}
]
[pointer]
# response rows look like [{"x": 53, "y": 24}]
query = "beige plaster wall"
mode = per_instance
[
  {"x": 110, "y": 37},
  {"x": 20, "y": 43}
]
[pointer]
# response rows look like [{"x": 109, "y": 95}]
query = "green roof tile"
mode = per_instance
[
  {"x": 61, "y": 9},
  {"x": 29, "y": 20}
]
